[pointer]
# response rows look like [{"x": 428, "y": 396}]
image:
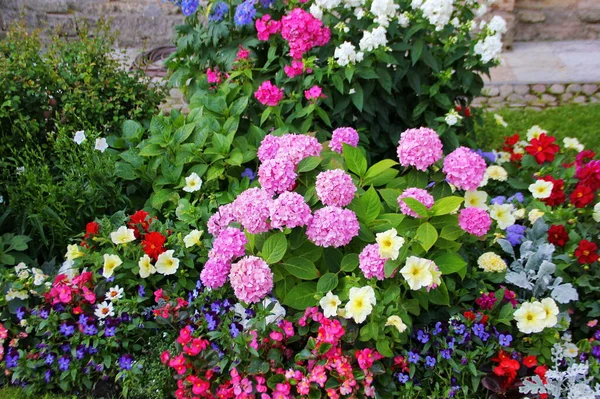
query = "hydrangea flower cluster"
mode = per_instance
[
  {"x": 464, "y": 168},
  {"x": 251, "y": 279},
  {"x": 268, "y": 94},
  {"x": 335, "y": 188},
  {"x": 289, "y": 210},
  {"x": 221, "y": 219},
  {"x": 303, "y": 32},
  {"x": 251, "y": 209},
  {"x": 215, "y": 272},
  {"x": 419, "y": 148},
  {"x": 229, "y": 244},
  {"x": 293, "y": 147},
  {"x": 343, "y": 135},
  {"x": 277, "y": 175},
  {"x": 371, "y": 264},
  {"x": 417, "y": 193},
  {"x": 475, "y": 221},
  {"x": 332, "y": 227}
]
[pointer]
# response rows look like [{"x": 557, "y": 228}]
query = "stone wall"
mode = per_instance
[{"x": 139, "y": 22}]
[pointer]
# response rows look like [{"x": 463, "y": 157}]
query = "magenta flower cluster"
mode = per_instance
[
  {"x": 251, "y": 209},
  {"x": 215, "y": 272},
  {"x": 314, "y": 93},
  {"x": 293, "y": 147},
  {"x": 464, "y": 168},
  {"x": 302, "y": 31},
  {"x": 419, "y": 148},
  {"x": 417, "y": 193},
  {"x": 335, "y": 187},
  {"x": 221, "y": 219},
  {"x": 289, "y": 210},
  {"x": 265, "y": 27},
  {"x": 343, "y": 135},
  {"x": 332, "y": 227},
  {"x": 475, "y": 221},
  {"x": 277, "y": 175},
  {"x": 370, "y": 263},
  {"x": 268, "y": 94},
  {"x": 228, "y": 245},
  {"x": 296, "y": 69},
  {"x": 251, "y": 279}
]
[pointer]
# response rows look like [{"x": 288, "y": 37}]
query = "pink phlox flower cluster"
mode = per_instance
[
  {"x": 343, "y": 135},
  {"x": 213, "y": 76},
  {"x": 215, "y": 272},
  {"x": 314, "y": 93},
  {"x": 221, "y": 219},
  {"x": 370, "y": 263},
  {"x": 303, "y": 32},
  {"x": 293, "y": 147},
  {"x": 277, "y": 175},
  {"x": 296, "y": 69},
  {"x": 268, "y": 94},
  {"x": 464, "y": 168},
  {"x": 420, "y": 148},
  {"x": 332, "y": 226},
  {"x": 251, "y": 209},
  {"x": 265, "y": 27},
  {"x": 417, "y": 193},
  {"x": 475, "y": 221},
  {"x": 289, "y": 210},
  {"x": 251, "y": 279},
  {"x": 335, "y": 187},
  {"x": 242, "y": 54},
  {"x": 230, "y": 244}
]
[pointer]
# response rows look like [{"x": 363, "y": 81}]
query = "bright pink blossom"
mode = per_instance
[
  {"x": 303, "y": 32},
  {"x": 335, "y": 187},
  {"x": 265, "y": 27},
  {"x": 251, "y": 279},
  {"x": 464, "y": 168},
  {"x": 419, "y": 148},
  {"x": 343, "y": 135},
  {"x": 474, "y": 221},
  {"x": 277, "y": 175},
  {"x": 289, "y": 210},
  {"x": 416, "y": 193},
  {"x": 252, "y": 209},
  {"x": 370, "y": 263},
  {"x": 269, "y": 94},
  {"x": 314, "y": 93},
  {"x": 332, "y": 226}
]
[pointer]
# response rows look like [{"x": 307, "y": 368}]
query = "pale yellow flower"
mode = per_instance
[
  {"x": 534, "y": 132},
  {"x": 192, "y": 183},
  {"x": 193, "y": 238},
  {"x": 476, "y": 199},
  {"x": 389, "y": 244},
  {"x": 534, "y": 215},
  {"x": 572, "y": 143},
  {"x": 123, "y": 235},
  {"x": 111, "y": 262},
  {"x": 146, "y": 267},
  {"x": 503, "y": 215},
  {"x": 360, "y": 303},
  {"x": 490, "y": 262},
  {"x": 329, "y": 303},
  {"x": 166, "y": 263},
  {"x": 541, "y": 189},
  {"x": 496, "y": 172},
  {"x": 551, "y": 311},
  {"x": 396, "y": 321},
  {"x": 73, "y": 252},
  {"x": 417, "y": 272},
  {"x": 530, "y": 317}
]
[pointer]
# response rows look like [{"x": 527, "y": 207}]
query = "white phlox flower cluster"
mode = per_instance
[
  {"x": 374, "y": 39},
  {"x": 346, "y": 54},
  {"x": 437, "y": 12}
]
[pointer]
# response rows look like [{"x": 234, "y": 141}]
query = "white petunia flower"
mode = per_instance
[
  {"x": 193, "y": 238},
  {"x": 360, "y": 303},
  {"x": 572, "y": 143},
  {"x": 79, "y": 137},
  {"x": 123, "y": 235},
  {"x": 101, "y": 144},
  {"x": 192, "y": 183},
  {"x": 329, "y": 303},
  {"x": 396, "y": 321},
  {"x": 530, "y": 318},
  {"x": 541, "y": 189},
  {"x": 167, "y": 263},
  {"x": 500, "y": 120},
  {"x": 476, "y": 199},
  {"x": 146, "y": 267},
  {"x": 389, "y": 244},
  {"x": 596, "y": 213},
  {"x": 533, "y": 133}
]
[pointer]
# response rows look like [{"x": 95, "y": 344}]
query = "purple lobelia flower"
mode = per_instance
[{"x": 64, "y": 362}]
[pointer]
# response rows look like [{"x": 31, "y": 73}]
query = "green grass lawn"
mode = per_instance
[
  {"x": 580, "y": 121},
  {"x": 16, "y": 393}
]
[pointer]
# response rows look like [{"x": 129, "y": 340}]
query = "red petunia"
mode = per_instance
[
  {"x": 582, "y": 196},
  {"x": 153, "y": 244},
  {"x": 91, "y": 229},
  {"x": 586, "y": 252},
  {"x": 507, "y": 369},
  {"x": 557, "y": 235},
  {"x": 139, "y": 219},
  {"x": 557, "y": 196},
  {"x": 469, "y": 315},
  {"x": 530, "y": 361},
  {"x": 540, "y": 371},
  {"x": 543, "y": 148}
]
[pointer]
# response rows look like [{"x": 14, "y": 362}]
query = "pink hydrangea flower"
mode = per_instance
[
  {"x": 332, "y": 227},
  {"x": 251, "y": 209},
  {"x": 230, "y": 244},
  {"x": 296, "y": 69},
  {"x": 417, "y": 193},
  {"x": 335, "y": 187},
  {"x": 269, "y": 148},
  {"x": 277, "y": 175},
  {"x": 265, "y": 27},
  {"x": 464, "y": 168},
  {"x": 293, "y": 147},
  {"x": 370, "y": 263},
  {"x": 221, "y": 219},
  {"x": 343, "y": 135},
  {"x": 268, "y": 94},
  {"x": 215, "y": 272},
  {"x": 251, "y": 279},
  {"x": 303, "y": 32},
  {"x": 314, "y": 93},
  {"x": 475, "y": 221},
  {"x": 289, "y": 210},
  {"x": 420, "y": 148}
]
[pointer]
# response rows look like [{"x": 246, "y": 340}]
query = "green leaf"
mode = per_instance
[
  {"x": 265, "y": 115},
  {"x": 327, "y": 282},
  {"x": 349, "y": 263},
  {"x": 215, "y": 171},
  {"x": 274, "y": 248},
  {"x": 302, "y": 268},
  {"x": 416, "y": 51},
  {"x": 301, "y": 296},
  {"x": 308, "y": 164},
  {"x": 355, "y": 160},
  {"x": 132, "y": 131},
  {"x": 417, "y": 206},
  {"x": 446, "y": 205},
  {"x": 184, "y": 132},
  {"x": 426, "y": 235},
  {"x": 439, "y": 295},
  {"x": 376, "y": 170},
  {"x": 370, "y": 206},
  {"x": 383, "y": 347},
  {"x": 390, "y": 196},
  {"x": 323, "y": 115},
  {"x": 451, "y": 233},
  {"x": 151, "y": 150},
  {"x": 450, "y": 262},
  {"x": 357, "y": 97},
  {"x": 160, "y": 197},
  {"x": 238, "y": 106}
]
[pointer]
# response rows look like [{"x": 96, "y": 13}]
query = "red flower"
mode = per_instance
[
  {"x": 584, "y": 156},
  {"x": 541, "y": 372},
  {"x": 153, "y": 244},
  {"x": 586, "y": 252},
  {"x": 557, "y": 235},
  {"x": 589, "y": 175},
  {"x": 507, "y": 369},
  {"x": 138, "y": 220},
  {"x": 469, "y": 315},
  {"x": 510, "y": 141},
  {"x": 530, "y": 361},
  {"x": 543, "y": 148},
  {"x": 91, "y": 228},
  {"x": 582, "y": 196},
  {"x": 467, "y": 110},
  {"x": 557, "y": 196}
]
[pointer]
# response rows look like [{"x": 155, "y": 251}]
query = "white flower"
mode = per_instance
[
  {"x": 437, "y": 12},
  {"x": 101, "y": 144},
  {"x": 496, "y": 172},
  {"x": 384, "y": 10},
  {"x": 166, "y": 263},
  {"x": 541, "y": 189},
  {"x": 451, "y": 119},
  {"x": 67, "y": 269},
  {"x": 503, "y": 215},
  {"x": 489, "y": 48},
  {"x": 530, "y": 317},
  {"x": 277, "y": 313},
  {"x": 23, "y": 274},
  {"x": 519, "y": 213},
  {"x": 316, "y": 11},
  {"x": 73, "y": 252},
  {"x": 146, "y": 267},
  {"x": 500, "y": 120},
  {"x": 111, "y": 262},
  {"x": 373, "y": 40},
  {"x": 403, "y": 20},
  {"x": 417, "y": 272},
  {"x": 114, "y": 293},
  {"x": 359, "y": 13},
  {"x": 328, "y": 4},
  {"x": 476, "y": 199},
  {"x": 329, "y": 303},
  {"x": 502, "y": 157},
  {"x": 572, "y": 143},
  {"x": 481, "y": 11},
  {"x": 13, "y": 294},
  {"x": 193, "y": 238},
  {"x": 38, "y": 276},
  {"x": 497, "y": 24},
  {"x": 19, "y": 267},
  {"x": 192, "y": 183},
  {"x": 570, "y": 350},
  {"x": 533, "y": 133},
  {"x": 551, "y": 311},
  {"x": 20, "y": 169},
  {"x": 596, "y": 213},
  {"x": 397, "y": 322},
  {"x": 346, "y": 54},
  {"x": 360, "y": 303},
  {"x": 123, "y": 235},
  {"x": 104, "y": 310},
  {"x": 389, "y": 244},
  {"x": 534, "y": 215},
  {"x": 79, "y": 137},
  {"x": 351, "y": 91},
  {"x": 491, "y": 263}
]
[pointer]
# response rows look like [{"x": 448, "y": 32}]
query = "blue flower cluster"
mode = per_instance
[
  {"x": 218, "y": 11},
  {"x": 188, "y": 7},
  {"x": 245, "y": 13}
]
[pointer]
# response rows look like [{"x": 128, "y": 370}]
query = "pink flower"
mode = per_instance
[
  {"x": 370, "y": 263},
  {"x": 420, "y": 148},
  {"x": 251, "y": 279},
  {"x": 417, "y": 193},
  {"x": 366, "y": 357},
  {"x": 265, "y": 27},
  {"x": 314, "y": 93},
  {"x": 213, "y": 76},
  {"x": 3, "y": 332},
  {"x": 335, "y": 187},
  {"x": 289, "y": 210},
  {"x": 251, "y": 209},
  {"x": 277, "y": 175},
  {"x": 268, "y": 94},
  {"x": 242, "y": 54},
  {"x": 293, "y": 147},
  {"x": 215, "y": 272},
  {"x": 318, "y": 375},
  {"x": 287, "y": 327},
  {"x": 185, "y": 335},
  {"x": 332, "y": 227},
  {"x": 464, "y": 168},
  {"x": 303, "y": 32},
  {"x": 165, "y": 357},
  {"x": 343, "y": 135},
  {"x": 474, "y": 221},
  {"x": 221, "y": 219},
  {"x": 230, "y": 244},
  {"x": 296, "y": 69}
]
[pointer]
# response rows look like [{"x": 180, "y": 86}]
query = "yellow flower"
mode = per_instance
[
  {"x": 166, "y": 263},
  {"x": 146, "y": 267},
  {"x": 551, "y": 311},
  {"x": 329, "y": 303},
  {"x": 192, "y": 183},
  {"x": 360, "y": 303},
  {"x": 123, "y": 235},
  {"x": 110, "y": 264},
  {"x": 503, "y": 215},
  {"x": 496, "y": 172},
  {"x": 530, "y": 317},
  {"x": 534, "y": 215},
  {"x": 541, "y": 189},
  {"x": 396, "y": 321},
  {"x": 193, "y": 238},
  {"x": 490, "y": 262},
  {"x": 389, "y": 244},
  {"x": 417, "y": 272},
  {"x": 476, "y": 199},
  {"x": 73, "y": 252}
]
